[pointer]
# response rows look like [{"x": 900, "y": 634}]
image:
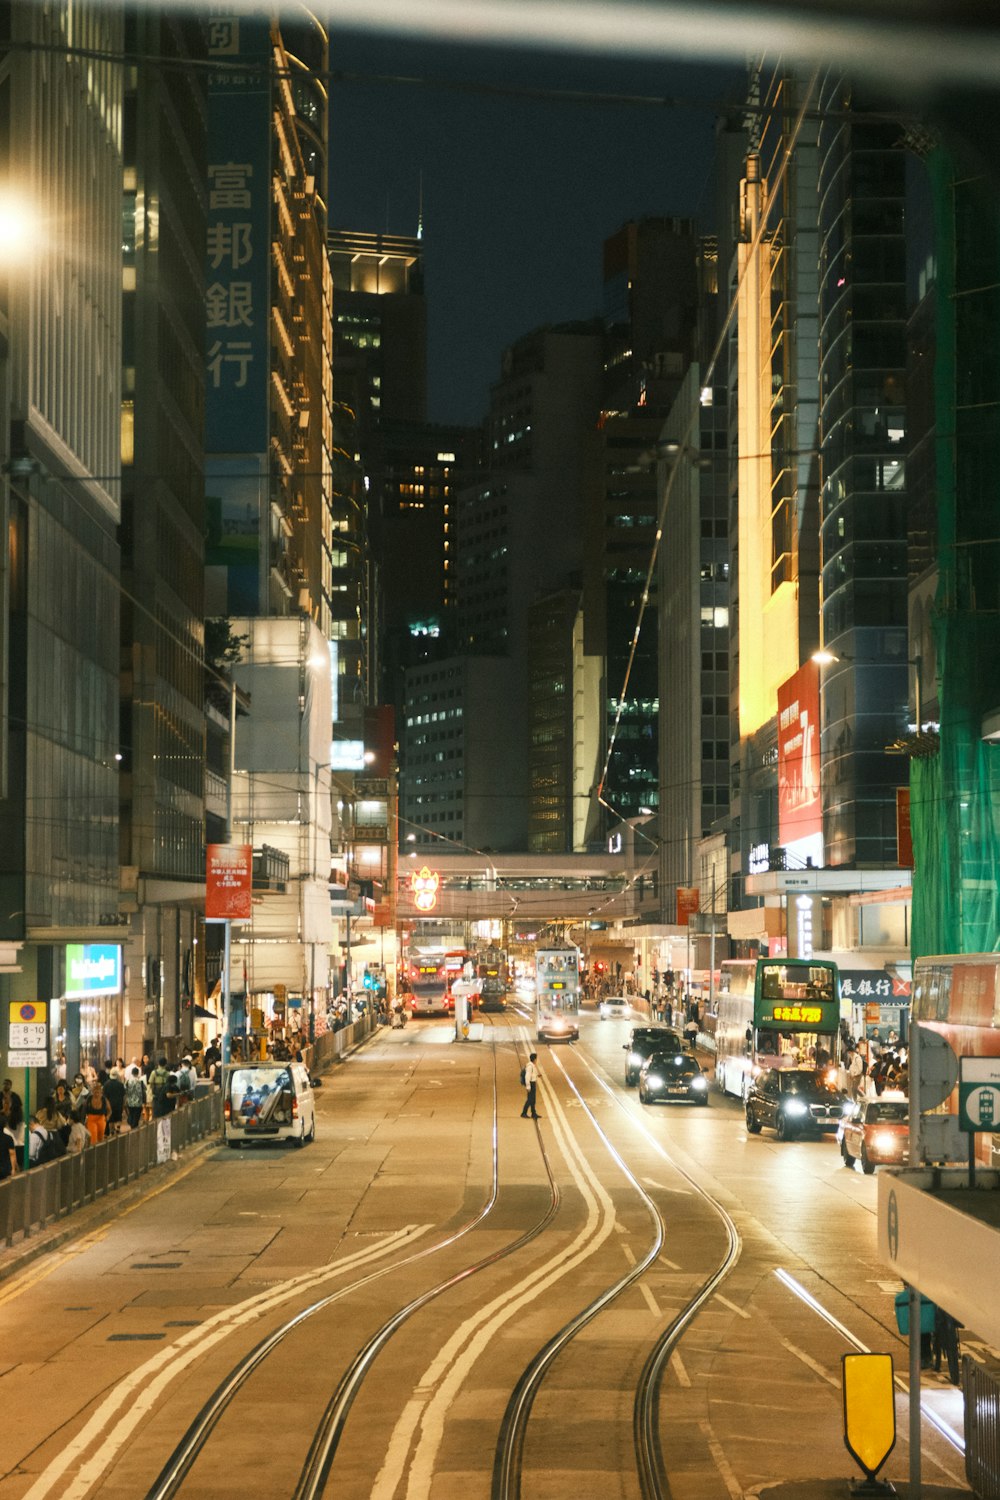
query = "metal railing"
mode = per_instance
[
  {"x": 33, "y": 1200},
  {"x": 982, "y": 1429}
]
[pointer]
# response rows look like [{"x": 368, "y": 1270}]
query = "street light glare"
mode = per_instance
[
  {"x": 17, "y": 226},
  {"x": 824, "y": 658}
]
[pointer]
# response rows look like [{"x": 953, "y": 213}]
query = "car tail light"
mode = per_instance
[
  {"x": 295, "y": 1107},
  {"x": 227, "y": 1110}
]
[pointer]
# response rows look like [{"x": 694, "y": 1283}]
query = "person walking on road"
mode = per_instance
[
  {"x": 530, "y": 1076},
  {"x": 691, "y": 1030}
]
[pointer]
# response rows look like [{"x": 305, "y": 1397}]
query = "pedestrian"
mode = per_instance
[
  {"x": 135, "y": 1098},
  {"x": 98, "y": 1113},
  {"x": 529, "y": 1077},
  {"x": 944, "y": 1342},
  {"x": 186, "y": 1081},
  {"x": 8, "y": 1152},
  {"x": 79, "y": 1092},
  {"x": 691, "y": 1030},
  {"x": 156, "y": 1090},
  {"x": 114, "y": 1093},
  {"x": 79, "y": 1136},
  {"x": 855, "y": 1072}
]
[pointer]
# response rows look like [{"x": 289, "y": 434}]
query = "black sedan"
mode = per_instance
[
  {"x": 642, "y": 1042},
  {"x": 794, "y": 1101},
  {"x": 671, "y": 1078}
]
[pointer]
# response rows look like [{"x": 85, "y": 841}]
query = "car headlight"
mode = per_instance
[
  {"x": 654, "y": 1081},
  {"x": 795, "y": 1107},
  {"x": 635, "y": 1059},
  {"x": 886, "y": 1141},
  {"x": 847, "y": 1108},
  {"x": 699, "y": 1082}
]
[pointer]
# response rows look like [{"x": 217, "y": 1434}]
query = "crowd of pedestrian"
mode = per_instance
[
  {"x": 97, "y": 1104},
  {"x": 875, "y": 1068}
]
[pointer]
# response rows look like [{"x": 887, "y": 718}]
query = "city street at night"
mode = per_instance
[{"x": 407, "y": 1302}]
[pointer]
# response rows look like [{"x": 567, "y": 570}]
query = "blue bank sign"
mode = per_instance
[{"x": 92, "y": 969}]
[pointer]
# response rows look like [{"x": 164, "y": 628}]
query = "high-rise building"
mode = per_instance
[
  {"x": 563, "y": 726},
  {"x": 862, "y": 303},
  {"x": 60, "y": 374},
  {"x": 163, "y": 524},
  {"x": 276, "y": 545},
  {"x": 650, "y": 316},
  {"x": 774, "y": 395},
  {"x": 693, "y": 618},
  {"x": 269, "y": 416}
]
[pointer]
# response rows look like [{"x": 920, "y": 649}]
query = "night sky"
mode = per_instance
[{"x": 518, "y": 194}]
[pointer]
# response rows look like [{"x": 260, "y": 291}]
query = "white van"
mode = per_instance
[{"x": 269, "y": 1101}]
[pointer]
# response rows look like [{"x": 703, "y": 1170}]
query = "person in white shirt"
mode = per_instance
[{"x": 531, "y": 1085}]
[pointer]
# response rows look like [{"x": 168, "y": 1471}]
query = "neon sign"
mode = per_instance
[{"x": 424, "y": 885}]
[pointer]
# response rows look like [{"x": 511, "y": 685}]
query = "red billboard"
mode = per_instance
[
  {"x": 228, "y": 882},
  {"x": 800, "y": 806}
]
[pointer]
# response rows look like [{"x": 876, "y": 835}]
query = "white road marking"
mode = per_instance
[
  {"x": 721, "y": 1462},
  {"x": 807, "y": 1359},
  {"x": 427, "y": 1409},
  {"x": 143, "y": 1387},
  {"x": 683, "y": 1378},
  {"x": 682, "y": 1191}
]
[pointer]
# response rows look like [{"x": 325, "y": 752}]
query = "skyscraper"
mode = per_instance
[
  {"x": 163, "y": 522},
  {"x": 60, "y": 110}
]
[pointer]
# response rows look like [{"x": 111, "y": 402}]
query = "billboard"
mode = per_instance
[
  {"x": 800, "y": 806},
  {"x": 92, "y": 969},
  {"x": 228, "y": 882}
]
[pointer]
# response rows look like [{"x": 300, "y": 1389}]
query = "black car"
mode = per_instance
[
  {"x": 794, "y": 1101},
  {"x": 641, "y": 1042},
  {"x": 670, "y": 1077}
]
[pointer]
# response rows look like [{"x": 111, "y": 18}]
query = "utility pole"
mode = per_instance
[{"x": 227, "y": 951}]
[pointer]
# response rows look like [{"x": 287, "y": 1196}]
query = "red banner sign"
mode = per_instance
[
  {"x": 904, "y": 833},
  {"x": 229, "y": 882},
  {"x": 688, "y": 903},
  {"x": 800, "y": 806}
]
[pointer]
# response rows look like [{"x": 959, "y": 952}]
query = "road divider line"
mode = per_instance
[
  {"x": 424, "y": 1415},
  {"x": 144, "y": 1385}
]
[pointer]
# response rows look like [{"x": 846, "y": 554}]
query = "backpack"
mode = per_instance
[
  {"x": 48, "y": 1150},
  {"x": 524, "y": 1079},
  {"x": 159, "y": 1081}
]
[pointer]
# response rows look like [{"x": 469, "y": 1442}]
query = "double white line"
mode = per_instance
[
  {"x": 142, "y": 1389},
  {"x": 423, "y": 1418}
]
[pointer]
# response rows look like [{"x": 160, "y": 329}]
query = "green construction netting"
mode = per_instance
[{"x": 955, "y": 796}]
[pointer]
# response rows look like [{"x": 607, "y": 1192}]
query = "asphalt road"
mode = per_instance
[{"x": 279, "y": 1279}]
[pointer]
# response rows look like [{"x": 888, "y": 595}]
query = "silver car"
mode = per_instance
[{"x": 614, "y": 1008}]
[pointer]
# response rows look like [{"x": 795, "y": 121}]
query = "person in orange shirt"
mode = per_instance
[{"x": 98, "y": 1113}]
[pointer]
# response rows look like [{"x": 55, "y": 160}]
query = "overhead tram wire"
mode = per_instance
[{"x": 689, "y": 432}]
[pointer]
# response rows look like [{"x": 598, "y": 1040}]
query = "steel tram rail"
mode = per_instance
[
  {"x": 653, "y": 1480},
  {"x": 326, "y": 1440},
  {"x": 323, "y": 1449}
]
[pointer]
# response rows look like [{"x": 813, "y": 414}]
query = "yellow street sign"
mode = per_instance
[
  {"x": 869, "y": 1410},
  {"x": 26, "y": 1012}
]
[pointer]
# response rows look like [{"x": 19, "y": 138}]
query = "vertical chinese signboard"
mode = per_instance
[
  {"x": 800, "y": 805},
  {"x": 237, "y": 302},
  {"x": 904, "y": 832},
  {"x": 229, "y": 883}
]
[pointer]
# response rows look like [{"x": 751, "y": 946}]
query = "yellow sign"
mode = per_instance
[
  {"x": 26, "y": 1012},
  {"x": 869, "y": 1410}
]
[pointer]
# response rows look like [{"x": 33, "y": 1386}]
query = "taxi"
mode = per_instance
[{"x": 876, "y": 1133}]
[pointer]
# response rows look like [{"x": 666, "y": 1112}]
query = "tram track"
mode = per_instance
[
  {"x": 329, "y": 1430},
  {"x": 650, "y": 1465}
]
